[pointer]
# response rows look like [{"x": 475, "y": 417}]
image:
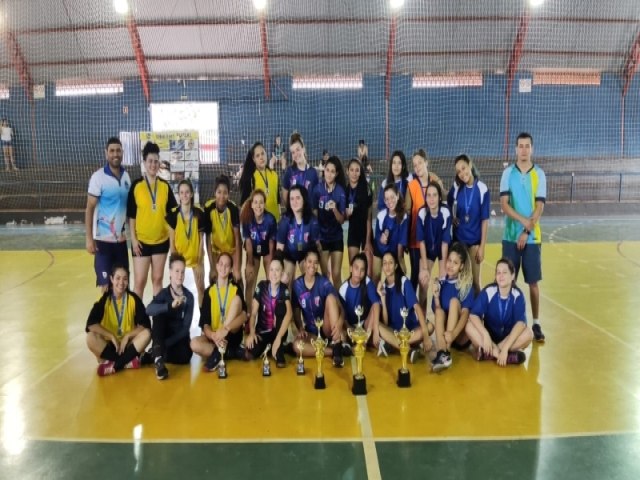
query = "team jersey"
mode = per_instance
[
  {"x": 187, "y": 232},
  {"x": 260, "y": 234},
  {"x": 473, "y": 206},
  {"x": 434, "y": 231},
  {"x": 110, "y": 215},
  {"x": 524, "y": 189},
  {"x": 269, "y": 183},
  {"x": 297, "y": 239},
  {"x": 118, "y": 316},
  {"x": 330, "y": 228},
  {"x": 418, "y": 193},
  {"x": 402, "y": 186},
  {"x": 273, "y": 305},
  {"x": 221, "y": 224},
  {"x": 216, "y": 303},
  {"x": 351, "y": 297},
  {"x": 397, "y": 233},
  {"x": 395, "y": 301},
  {"x": 360, "y": 200},
  {"x": 148, "y": 205},
  {"x": 308, "y": 177},
  {"x": 311, "y": 301},
  {"x": 500, "y": 314},
  {"x": 448, "y": 291}
]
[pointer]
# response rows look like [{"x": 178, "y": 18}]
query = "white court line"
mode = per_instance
[{"x": 368, "y": 443}]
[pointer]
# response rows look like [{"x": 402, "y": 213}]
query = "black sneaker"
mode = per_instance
[
  {"x": 347, "y": 349},
  {"x": 161, "y": 370},
  {"x": 338, "y": 361},
  {"x": 537, "y": 332},
  {"x": 414, "y": 355},
  {"x": 441, "y": 362},
  {"x": 213, "y": 361},
  {"x": 280, "y": 362},
  {"x": 516, "y": 358}
]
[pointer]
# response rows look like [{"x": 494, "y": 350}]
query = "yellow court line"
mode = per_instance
[{"x": 368, "y": 442}]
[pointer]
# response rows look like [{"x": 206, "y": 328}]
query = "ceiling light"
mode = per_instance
[
  {"x": 396, "y": 4},
  {"x": 535, "y": 3},
  {"x": 260, "y": 4},
  {"x": 121, "y": 6}
]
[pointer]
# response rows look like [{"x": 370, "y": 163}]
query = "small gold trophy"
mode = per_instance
[
  {"x": 319, "y": 345},
  {"x": 403, "y": 336},
  {"x": 300, "y": 367},
  {"x": 222, "y": 367},
  {"x": 359, "y": 336},
  {"x": 266, "y": 366}
]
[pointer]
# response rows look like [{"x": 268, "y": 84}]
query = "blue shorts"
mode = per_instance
[
  {"x": 108, "y": 255},
  {"x": 332, "y": 245},
  {"x": 530, "y": 258},
  {"x": 6, "y": 143}
]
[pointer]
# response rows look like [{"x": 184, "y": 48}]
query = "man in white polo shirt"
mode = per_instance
[{"x": 106, "y": 214}]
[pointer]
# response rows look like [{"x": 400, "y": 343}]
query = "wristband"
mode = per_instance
[{"x": 526, "y": 231}]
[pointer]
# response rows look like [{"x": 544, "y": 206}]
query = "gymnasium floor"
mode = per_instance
[{"x": 572, "y": 411}]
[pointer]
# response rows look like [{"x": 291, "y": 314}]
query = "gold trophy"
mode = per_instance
[
  {"x": 319, "y": 345},
  {"x": 266, "y": 366},
  {"x": 300, "y": 367},
  {"x": 403, "y": 336},
  {"x": 222, "y": 367},
  {"x": 359, "y": 336}
]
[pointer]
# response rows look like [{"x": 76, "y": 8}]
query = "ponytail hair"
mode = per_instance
[{"x": 465, "y": 277}]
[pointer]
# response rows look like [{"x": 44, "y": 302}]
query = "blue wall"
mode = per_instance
[{"x": 565, "y": 121}]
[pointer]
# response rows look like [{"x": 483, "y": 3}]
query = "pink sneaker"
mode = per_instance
[
  {"x": 134, "y": 364},
  {"x": 106, "y": 368}
]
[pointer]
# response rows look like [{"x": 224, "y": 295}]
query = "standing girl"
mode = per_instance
[
  {"x": 256, "y": 175},
  {"x": 259, "y": 233},
  {"x": 298, "y": 231},
  {"x": 397, "y": 174},
  {"x": 270, "y": 315},
  {"x": 150, "y": 200},
  {"x": 6, "y": 138},
  {"x": 328, "y": 200},
  {"x": 392, "y": 226},
  {"x": 497, "y": 324},
  {"x": 452, "y": 300},
  {"x": 187, "y": 225},
  {"x": 358, "y": 212},
  {"x": 300, "y": 173},
  {"x": 223, "y": 228},
  {"x": 472, "y": 211}
]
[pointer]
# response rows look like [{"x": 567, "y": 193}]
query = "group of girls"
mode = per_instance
[{"x": 412, "y": 218}]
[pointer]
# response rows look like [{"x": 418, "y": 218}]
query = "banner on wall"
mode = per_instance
[{"x": 179, "y": 158}]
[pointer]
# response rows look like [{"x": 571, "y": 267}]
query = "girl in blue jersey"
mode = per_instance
[
  {"x": 298, "y": 231},
  {"x": 314, "y": 297},
  {"x": 497, "y": 323},
  {"x": 472, "y": 211},
  {"x": 433, "y": 232},
  {"x": 396, "y": 293},
  {"x": 358, "y": 213},
  {"x": 392, "y": 227},
  {"x": 452, "y": 300},
  {"x": 328, "y": 201},
  {"x": 359, "y": 290},
  {"x": 271, "y": 314},
  {"x": 398, "y": 174},
  {"x": 259, "y": 233},
  {"x": 301, "y": 172}
]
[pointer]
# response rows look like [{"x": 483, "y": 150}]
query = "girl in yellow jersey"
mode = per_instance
[
  {"x": 150, "y": 200},
  {"x": 223, "y": 228},
  {"x": 187, "y": 225},
  {"x": 222, "y": 316},
  {"x": 118, "y": 328},
  {"x": 256, "y": 175}
]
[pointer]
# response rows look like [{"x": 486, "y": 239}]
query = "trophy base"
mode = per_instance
[
  {"x": 222, "y": 376},
  {"x": 300, "y": 371},
  {"x": 266, "y": 374},
  {"x": 359, "y": 386},
  {"x": 404, "y": 379},
  {"x": 319, "y": 383}
]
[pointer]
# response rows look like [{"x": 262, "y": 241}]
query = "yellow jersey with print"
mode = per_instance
[
  {"x": 118, "y": 316},
  {"x": 268, "y": 182},
  {"x": 221, "y": 224},
  {"x": 148, "y": 203},
  {"x": 216, "y": 303},
  {"x": 188, "y": 229}
]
